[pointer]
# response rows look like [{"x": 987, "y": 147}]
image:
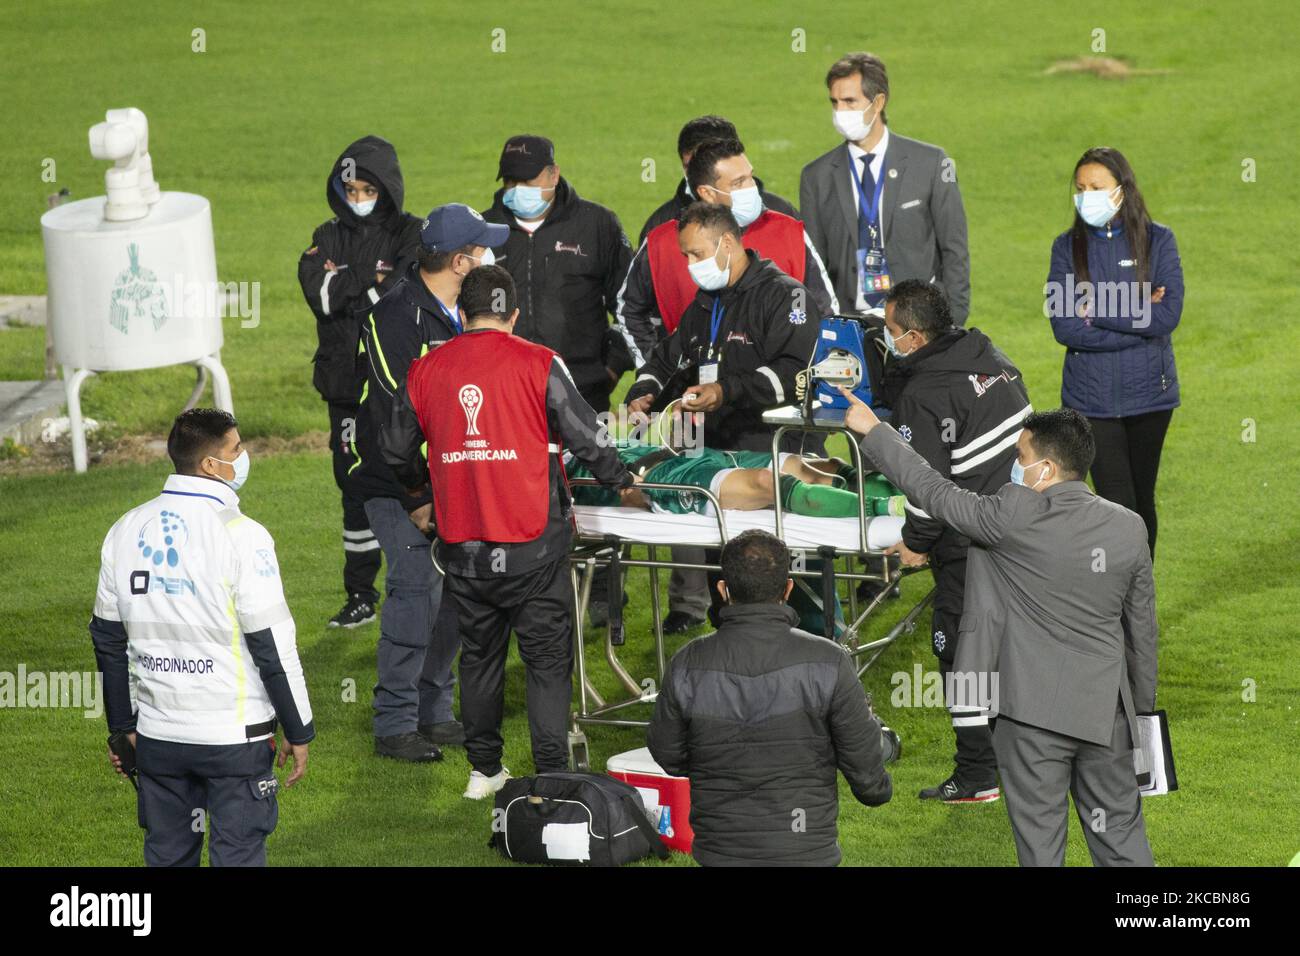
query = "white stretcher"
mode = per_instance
[
  {"x": 849, "y": 550},
  {"x": 799, "y": 531}
]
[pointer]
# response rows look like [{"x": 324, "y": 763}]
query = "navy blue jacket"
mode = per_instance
[{"x": 1118, "y": 361}]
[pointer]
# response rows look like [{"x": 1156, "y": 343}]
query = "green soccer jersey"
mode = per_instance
[{"x": 699, "y": 469}]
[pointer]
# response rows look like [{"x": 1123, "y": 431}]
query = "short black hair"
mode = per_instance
[
  {"x": 920, "y": 305},
  {"x": 431, "y": 261},
  {"x": 195, "y": 435},
  {"x": 711, "y": 216},
  {"x": 488, "y": 291},
  {"x": 702, "y": 170},
  {"x": 703, "y": 128},
  {"x": 756, "y": 567},
  {"x": 1065, "y": 436},
  {"x": 870, "y": 69}
]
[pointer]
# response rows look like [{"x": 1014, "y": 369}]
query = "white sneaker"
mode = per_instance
[{"x": 481, "y": 785}]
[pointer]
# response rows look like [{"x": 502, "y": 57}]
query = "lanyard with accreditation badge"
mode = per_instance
[
  {"x": 709, "y": 370},
  {"x": 873, "y": 210},
  {"x": 452, "y": 316},
  {"x": 872, "y": 270}
]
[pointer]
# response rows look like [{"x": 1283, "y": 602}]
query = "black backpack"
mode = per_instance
[{"x": 573, "y": 819}]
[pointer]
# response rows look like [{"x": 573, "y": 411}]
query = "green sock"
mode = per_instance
[{"x": 823, "y": 501}]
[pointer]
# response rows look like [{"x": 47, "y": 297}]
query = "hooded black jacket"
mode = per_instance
[
  {"x": 567, "y": 274},
  {"x": 961, "y": 404},
  {"x": 361, "y": 248},
  {"x": 759, "y": 716},
  {"x": 764, "y": 339}
]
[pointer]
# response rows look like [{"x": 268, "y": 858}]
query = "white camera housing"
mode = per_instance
[{"x": 123, "y": 138}]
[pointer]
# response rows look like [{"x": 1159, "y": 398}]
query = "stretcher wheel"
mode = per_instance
[{"x": 579, "y": 759}]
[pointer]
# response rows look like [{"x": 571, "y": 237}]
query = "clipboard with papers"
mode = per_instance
[{"x": 1154, "y": 752}]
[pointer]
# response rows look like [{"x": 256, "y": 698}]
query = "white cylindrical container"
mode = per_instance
[{"x": 132, "y": 295}]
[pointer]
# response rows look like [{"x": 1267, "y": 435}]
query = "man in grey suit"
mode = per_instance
[
  {"x": 1059, "y": 629},
  {"x": 880, "y": 207}
]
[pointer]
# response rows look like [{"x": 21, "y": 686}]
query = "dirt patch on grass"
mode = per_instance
[
  {"x": 1106, "y": 67},
  {"x": 44, "y": 458}
]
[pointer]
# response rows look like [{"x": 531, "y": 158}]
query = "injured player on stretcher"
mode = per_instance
[{"x": 741, "y": 481}]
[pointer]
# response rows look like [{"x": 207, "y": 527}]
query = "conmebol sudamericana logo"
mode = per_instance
[{"x": 471, "y": 399}]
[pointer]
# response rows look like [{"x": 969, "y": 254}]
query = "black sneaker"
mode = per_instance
[
  {"x": 598, "y": 612},
  {"x": 679, "y": 622},
  {"x": 891, "y": 743},
  {"x": 410, "y": 747},
  {"x": 356, "y": 612},
  {"x": 867, "y": 591},
  {"x": 955, "y": 790},
  {"x": 446, "y": 732}
]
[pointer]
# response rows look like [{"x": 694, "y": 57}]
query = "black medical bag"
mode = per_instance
[{"x": 573, "y": 819}]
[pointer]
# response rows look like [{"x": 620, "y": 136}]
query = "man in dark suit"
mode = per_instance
[
  {"x": 1058, "y": 635},
  {"x": 880, "y": 207}
]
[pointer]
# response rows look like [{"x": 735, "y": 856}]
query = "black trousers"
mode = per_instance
[
  {"x": 975, "y": 760},
  {"x": 538, "y": 606},
  {"x": 361, "y": 553},
  {"x": 227, "y": 791},
  {"x": 1127, "y": 462}
]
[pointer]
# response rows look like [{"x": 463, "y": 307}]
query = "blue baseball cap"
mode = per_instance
[{"x": 455, "y": 226}]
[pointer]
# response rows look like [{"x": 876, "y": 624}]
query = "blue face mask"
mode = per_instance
[
  {"x": 708, "y": 275},
  {"x": 240, "y": 464},
  {"x": 363, "y": 209},
  {"x": 892, "y": 344},
  {"x": 1018, "y": 473},
  {"x": 1096, "y": 207},
  {"x": 526, "y": 202},
  {"x": 746, "y": 204}
]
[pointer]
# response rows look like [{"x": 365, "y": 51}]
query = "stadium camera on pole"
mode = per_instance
[
  {"x": 132, "y": 276},
  {"x": 123, "y": 137}
]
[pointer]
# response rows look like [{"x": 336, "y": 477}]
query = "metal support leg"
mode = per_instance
[
  {"x": 72, "y": 382},
  {"x": 220, "y": 381},
  {"x": 656, "y": 610},
  {"x": 201, "y": 382}
]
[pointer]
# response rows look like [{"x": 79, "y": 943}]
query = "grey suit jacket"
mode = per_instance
[
  {"x": 923, "y": 220},
  {"x": 1060, "y": 601}
]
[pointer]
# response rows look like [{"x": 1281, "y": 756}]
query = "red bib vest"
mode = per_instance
[
  {"x": 481, "y": 402},
  {"x": 773, "y": 235}
]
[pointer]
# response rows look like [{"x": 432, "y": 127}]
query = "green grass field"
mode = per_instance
[{"x": 253, "y": 124}]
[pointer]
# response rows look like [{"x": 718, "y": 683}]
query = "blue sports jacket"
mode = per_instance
[{"x": 1119, "y": 360}]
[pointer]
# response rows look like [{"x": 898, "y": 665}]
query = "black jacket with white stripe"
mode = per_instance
[
  {"x": 960, "y": 403},
  {"x": 766, "y": 336},
  {"x": 366, "y": 254}
]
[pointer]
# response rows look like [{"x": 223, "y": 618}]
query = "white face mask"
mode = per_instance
[
  {"x": 488, "y": 258},
  {"x": 241, "y": 465},
  {"x": 850, "y": 126},
  {"x": 363, "y": 209},
  {"x": 746, "y": 204},
  {"x": 707, "y": 274}
]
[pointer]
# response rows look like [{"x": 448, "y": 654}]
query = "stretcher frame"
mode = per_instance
[{"x": 591, "y": 553}]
